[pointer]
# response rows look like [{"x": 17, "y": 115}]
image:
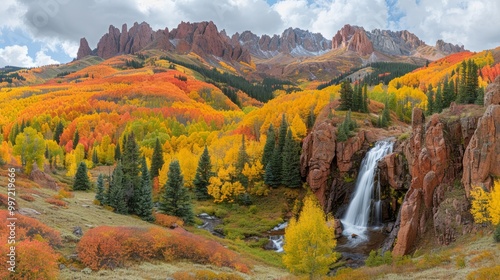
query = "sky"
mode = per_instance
[{"x": 41, "y": 32}]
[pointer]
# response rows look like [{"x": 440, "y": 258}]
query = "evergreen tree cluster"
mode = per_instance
[
  {"x": 260, "y": 91},
  {"x": 130, "y": 189},
  {"x": 353, "y": 99},
  {"x": 382, "y": 72},
  {"x": 468, "y": 83},
  {"x": 281, "y": 158},
  {"x": 345, "y": 128},
  {"x": 134, "y": 64}
]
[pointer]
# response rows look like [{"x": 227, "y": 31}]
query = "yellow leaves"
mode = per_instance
[
  {"x": 479, "y": 207},
  {"x": 486, "y": 206},
  {"x": 309, "y": 241},
  {"x": 188, "y": 163},
  {"x": 223, "y": 188},
  {"x": 494, "y": 204},
  {"x": 298, "y": 127}
]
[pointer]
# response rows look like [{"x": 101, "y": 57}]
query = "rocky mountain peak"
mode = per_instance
[
  {"x": 448, "y": 47},
  {"x": 353, "y": 38},
  {"x": 84, "y": 49}
]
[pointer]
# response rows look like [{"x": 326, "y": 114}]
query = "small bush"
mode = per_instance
[
  {"x": 168, "y": 221},
  {"x": 57, "y": 202},
  {"x": 496, "y": 234},
  {"x": 483, "y": 257},
  {"x": 27, "y": 197},
  {"x": 376, "y": 258},
  {"x": 28, "y": 228},
  {"x": 63, "y": 194},
  {"x": 460, "y": 261},
  {"x": 486, "y": 273},
  {"x": 349, "y": 273},
  {"x": 252, "y": 209}
]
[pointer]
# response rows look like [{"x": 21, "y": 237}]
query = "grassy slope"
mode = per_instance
[{"x": 83, "y": 213}]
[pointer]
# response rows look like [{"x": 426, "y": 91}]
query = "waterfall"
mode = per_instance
[{"x": 358, "y": 213}]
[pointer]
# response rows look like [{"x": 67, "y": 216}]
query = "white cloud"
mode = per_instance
[
  {"x": 18, "y": 56},
  {"x": 471, "y": 23}
]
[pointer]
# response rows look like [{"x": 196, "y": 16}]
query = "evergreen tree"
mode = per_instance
[
  {"x": 448, "y": 93},
  {"x": 157, "y": 160},
  {"x": 438, "y": 104},
  {"x": 130, "y": 165},
  {"x": 270, "y": 176},
  {"x": 95, "y": 158},
  {"x": 462, "y": 84},
  {"x": 346, "y": 95},
  {"x": 341, "y": 134},
  {"x": 100, "y": 195},
  {"x": 116, "y": 196},
  {"x": 240, "y": 162},
  {"x": 480, "y": 96},
  {"x": 175, "y": 200},
  {"x": 76, "y": 139},
  {"x": 276, "y": 162},
  {"x": 291, "y": 163},
  {"x": 82, "y": 181},
  {"x": 203, "y": 175},
  {"x": 310, "y": 119},
  {"x": 47, "y": 153},
  {"x": 365, "y": 99},
  {"x": 430, "y": 100},
  {"x": 58, "y": 132},
  {"x": 118, "y": 152},
  {"x": 357, "y": 102},
  {"x": 269, "y": 146},
  {"x": 144, "y": 198}
]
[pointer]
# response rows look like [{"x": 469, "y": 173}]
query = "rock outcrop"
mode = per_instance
[
  {"x": 296, "y": 42},
  {"x": 434, "y": 154},
  {"x": 319, "y": 149},
  {"x": 202, "y": 38},
  {"x": 448, "y": 47},
  {"x": 43, "y": 179},
  {"x": 482, "y": 158},
  {"x": 84, "y": 49},
  {"x": 353, "y": 38}
]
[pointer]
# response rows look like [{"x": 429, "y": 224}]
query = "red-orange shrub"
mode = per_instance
[
  {"x": 167, "y": 221},
  {"x": 27, "y": 197},
  {"x": 110, "y": 247},
  {"x": 57, "y": 202},
  {"x": 63, "y": 194},
  {"x": 34, "y": 260},
  {"x": 29, "y": 228}
]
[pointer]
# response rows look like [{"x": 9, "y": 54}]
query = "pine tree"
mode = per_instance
[
  {"x": 365, "y": 99},
  {"x": 116, "y": 197},
  {"x": 269, "y": 146},
  {"x": 448, "y": 94},
  {"x": 480, "y": 96},
  {"x": 203, "y": 175},
  {"x": 310, "y": 119},
  {"x": 346, "y": 95},
  {"x": 130, "y": 165},
  {"x": 82, "y": 181},
  {"x": 144, "y": 198},
  {"x": 157, "y": 160},
  {"x": 240, "y": 162},
  {"x": 175, "y": 200},
  {"x": 291, "y": 163},
  {"x": 58, "y": 132},
  {"x": 438, "y": 104},
  {"x": 95, "y": 158},
  {"x": 76, "y": 139},
  {"x": 118, "y": 152},
  {"x": 462, "y": 84},
  {"x": 100, "y": 195},
  {"x": 430, "y": 100},
  {"x": 341, "y": 134}
]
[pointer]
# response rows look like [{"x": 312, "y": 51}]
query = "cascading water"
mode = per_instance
[{"x": 357, "y": 216}]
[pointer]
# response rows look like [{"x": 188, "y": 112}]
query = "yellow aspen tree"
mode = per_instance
[
  {"x": 298, "y": 127},
  {"x": 494, "y": 204},
  {"x": 479, "y": 205},
  {"x": 309, "y": 242}
]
